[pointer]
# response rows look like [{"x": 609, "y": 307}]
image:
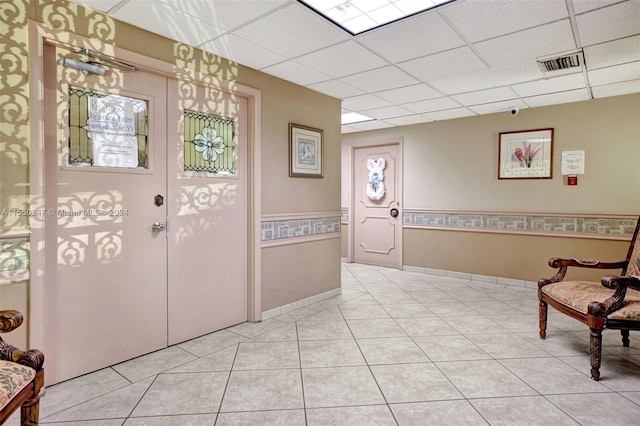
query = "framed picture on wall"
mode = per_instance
[
  {"x": 305, "y": 151},
  {"x": 525, "y": 154}
]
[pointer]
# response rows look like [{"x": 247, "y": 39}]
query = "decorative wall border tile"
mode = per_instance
[
  {"x": 618, "y": 227},
  {"x": 286, "y": 228},
  {"x": 344, "y": 215}
]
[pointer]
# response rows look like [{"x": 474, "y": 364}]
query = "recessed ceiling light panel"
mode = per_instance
[
  {"x": 354, "y": 117},
  {"x": 359, "y": 16}
]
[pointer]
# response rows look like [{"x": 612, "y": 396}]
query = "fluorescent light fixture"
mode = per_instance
[
  {"x": 358, "y": 16},
  {"x": 354, "y": 117}
]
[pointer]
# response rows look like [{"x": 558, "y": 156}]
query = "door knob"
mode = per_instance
[
  {"x": 157, "y": 227},
  {"x": 394, "y": 212}
]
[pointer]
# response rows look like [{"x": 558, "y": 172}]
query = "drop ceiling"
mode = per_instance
[{"x": 464, "y": 58}]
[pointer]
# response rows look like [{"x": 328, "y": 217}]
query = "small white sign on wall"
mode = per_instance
[
  {"x": 115, "y": 150},
  {"x": 573, "y": 162}
]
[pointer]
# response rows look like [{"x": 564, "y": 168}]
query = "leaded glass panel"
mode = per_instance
[
  {"x": 107, "y": 130},
  {"x": 209, "y": 143}
]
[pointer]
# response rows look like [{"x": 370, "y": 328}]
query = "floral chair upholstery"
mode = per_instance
[
  {"x": 21, "y": 375},
  {"x": 613, "y": 303}
]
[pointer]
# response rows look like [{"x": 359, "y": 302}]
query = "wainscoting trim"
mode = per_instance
[{"x": 598, "y": 226}]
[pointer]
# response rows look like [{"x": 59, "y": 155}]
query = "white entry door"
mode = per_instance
[
  {"x": 106, "y": 269},
  {"x": 140, "y": 253},
  {"x": 377, "y": 221},
  {"x": 207, "y": 199}
]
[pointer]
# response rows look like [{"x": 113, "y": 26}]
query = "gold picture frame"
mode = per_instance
[{"x": 305, "y": 151}]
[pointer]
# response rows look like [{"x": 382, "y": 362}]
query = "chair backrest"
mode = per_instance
[{"x": 633, "y": 267}]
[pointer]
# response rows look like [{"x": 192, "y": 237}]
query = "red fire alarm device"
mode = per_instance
[{"x": 572, "y": 179}]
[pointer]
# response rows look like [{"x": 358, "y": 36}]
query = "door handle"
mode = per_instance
[
  {"x": 157, "y": 227},
  {"x": 394, "y": 212}
]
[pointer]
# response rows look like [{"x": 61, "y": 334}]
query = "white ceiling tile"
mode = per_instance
[
  {"x": 409, "y": 67},
  {"x": 451, "y": 63},
  {"x": 613, "y": 53},
  {"x": 533, "y": 43},
  {"x": 336, "y": 88},
  {"x": 380, "y": 79},
  {"x": 617, "y": 21},
  {"x": 432, "y": 105},
  {"x": 558, "y": 98},
  {"x": 407, "y": 94},
  {"x": 292, "y": 31},
  {"x": 581, "y": 6},
  {"x": 343, "y": 59},
  {"x": 227, "y": 14},
  {"x": 408, "y": 120},
  {"x": 294, "y": 72},
  {"x": 450, "y": 114},
  {"x": 242, "y": 51},
  {"x": 364, "y": 102},
  {"x": 486, "y": 79},
  {"x": 386, "y": 112},
  {"x": 485, "y": 96},
  {"x": 99, "y": 5},
  {"x": 495, "y": 107},
  {"x": 167, "y": 21},
  {"x": 616, "y": 89},
  {"x": 550, "y": 85},
  {"x": 349, "y": 129},
  {"x": 615, "y": 74},
  {"x": 481, "y": 20},
  {"x": 371, "y": 125},
  {"x": 420, "y": 35}
]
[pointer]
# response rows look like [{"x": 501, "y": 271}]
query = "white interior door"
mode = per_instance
[
  {"x": 105, "y": 159},
  {"x": 127, "y": 272},
  {"x": 207, "y": 198},
  {"x": 377, "y": 222}
]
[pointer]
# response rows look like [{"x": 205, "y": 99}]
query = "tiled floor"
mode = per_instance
[{"x": 395, "y": 348}]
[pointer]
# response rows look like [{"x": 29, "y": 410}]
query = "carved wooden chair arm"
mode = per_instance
[
  {"x": 564, "y": 264},
  {"x": 9, "y": 321},
  {"x": 615, "y": 302},
  {"x": 556, "y": 262},
  {"x": 612, "y": 281}
]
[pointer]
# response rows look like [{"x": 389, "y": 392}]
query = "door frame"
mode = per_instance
[
  {"x": 39, "y": 36},
  {"x": 399, "y": 192}
]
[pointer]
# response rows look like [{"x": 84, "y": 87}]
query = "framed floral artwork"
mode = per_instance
[
  {"x": 305, "y": 151},
  {"x": 525, "y": 154}
]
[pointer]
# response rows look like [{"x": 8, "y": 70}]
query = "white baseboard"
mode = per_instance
[
  {"x": 280, "y": 310},
  {"x": 472, "y": 277}
]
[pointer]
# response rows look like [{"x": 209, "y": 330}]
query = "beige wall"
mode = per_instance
[
  {"x": 453, "y": 165},
  {"x": 505, "y": 255},
  {"x": 282, "y": 102},
  {"x": 298, "y": 265}
]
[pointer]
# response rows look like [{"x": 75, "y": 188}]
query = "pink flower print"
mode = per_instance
[{"x": 517, "y": 156}]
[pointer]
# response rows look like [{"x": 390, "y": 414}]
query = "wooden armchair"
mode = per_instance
[
  {"x": 614, "y": 303},
  {"x": 21, "y": 375}
]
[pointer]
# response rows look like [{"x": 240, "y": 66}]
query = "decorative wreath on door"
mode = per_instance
[{"x": 375, "y": 185}]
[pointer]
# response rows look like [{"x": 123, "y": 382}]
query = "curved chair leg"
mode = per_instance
[
  {"x": 625, "y": 338},
  {"x": 542, "y": 316},
  {"x": 595, "y": 352}
]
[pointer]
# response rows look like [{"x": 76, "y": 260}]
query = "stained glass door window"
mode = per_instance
[
  {"x": 209, "y": 143},
  {"x": 107, "y": 130}
]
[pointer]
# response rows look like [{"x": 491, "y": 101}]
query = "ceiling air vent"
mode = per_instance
[{"x": 562, "y": 62}]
